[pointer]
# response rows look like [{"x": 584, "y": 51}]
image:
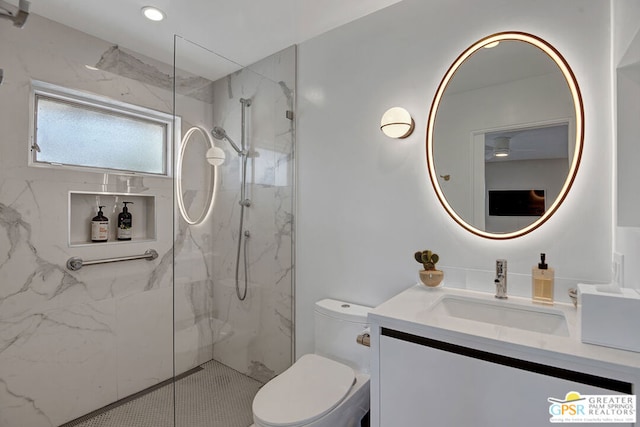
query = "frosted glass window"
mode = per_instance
[{"x": 94, "y": 135}]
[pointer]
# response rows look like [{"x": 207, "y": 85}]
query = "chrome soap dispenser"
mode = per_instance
[{"x": 542, "y": 282}]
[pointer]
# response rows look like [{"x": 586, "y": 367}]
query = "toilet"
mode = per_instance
[{"x": 328, "y": 388}]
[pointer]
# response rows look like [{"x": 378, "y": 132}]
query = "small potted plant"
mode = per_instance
[{"x": 429, "y": 276}]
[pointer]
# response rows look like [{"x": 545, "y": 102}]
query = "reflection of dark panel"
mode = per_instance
[{"x": 516, "y": 202}]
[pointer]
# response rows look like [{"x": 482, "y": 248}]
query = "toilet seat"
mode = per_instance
[{"x": 308, "y": 390}]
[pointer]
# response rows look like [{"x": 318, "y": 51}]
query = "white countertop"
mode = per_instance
[{"x": 410, "y": 311}]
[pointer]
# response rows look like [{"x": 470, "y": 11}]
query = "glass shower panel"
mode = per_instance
[
  {"x": 225, "y": 345},
  {"x": 75, "y": 344}
]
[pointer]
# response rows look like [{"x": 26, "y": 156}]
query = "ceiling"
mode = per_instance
[
  {"x": 509, "y": 61},
  {"x": 535, "y": 143},
  {"x": 242, "y": 31}
]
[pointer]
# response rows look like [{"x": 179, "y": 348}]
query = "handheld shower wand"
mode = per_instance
[{"x": 243, "y": 235}]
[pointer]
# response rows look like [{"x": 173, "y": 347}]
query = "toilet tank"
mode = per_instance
[{"x": 337, "y": 325}]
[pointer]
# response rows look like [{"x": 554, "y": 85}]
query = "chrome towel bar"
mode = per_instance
[{"x": 75, "y": 263}]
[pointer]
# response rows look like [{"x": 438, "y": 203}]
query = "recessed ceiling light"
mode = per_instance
[
  {"x": 153, "y": 13},
  {"x": 90, "y": 67},
  {"x": 492, "y": 44}
]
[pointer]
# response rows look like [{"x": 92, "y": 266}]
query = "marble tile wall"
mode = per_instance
[
  {"x": 259, "y": 341},
  {"x": 72, "y": 342}
]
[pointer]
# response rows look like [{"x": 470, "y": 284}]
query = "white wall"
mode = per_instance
[
  {"x": 365, "y": 203},
  {"x": 626, "y": 59}
]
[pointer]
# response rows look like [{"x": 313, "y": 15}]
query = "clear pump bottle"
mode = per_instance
[{"x": 542, "y": 282}]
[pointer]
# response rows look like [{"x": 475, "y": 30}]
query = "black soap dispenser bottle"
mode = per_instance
[
  {"x": 100, "y": 227},
  {"x": 125, "y": 221}
]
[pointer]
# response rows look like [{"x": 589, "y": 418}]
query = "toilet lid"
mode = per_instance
[{"x": 309, "y": 389}]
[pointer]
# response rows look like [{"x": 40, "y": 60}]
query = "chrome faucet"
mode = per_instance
[{"x": 501, "y": 279}]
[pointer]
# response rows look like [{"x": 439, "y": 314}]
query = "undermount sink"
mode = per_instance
[{"x": 503, "y": 313}]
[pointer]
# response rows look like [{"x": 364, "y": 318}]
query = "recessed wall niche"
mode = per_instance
[{"x": 83, "y": 206}]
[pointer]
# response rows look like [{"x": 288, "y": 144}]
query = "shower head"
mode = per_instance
[
  {"x": 16, "y": 14},
  {"x": 220, "y": 134}
]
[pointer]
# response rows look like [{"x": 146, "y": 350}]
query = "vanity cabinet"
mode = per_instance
[
  {"x": 430, "y": 367},
  {"x": 424, "y": 382}
]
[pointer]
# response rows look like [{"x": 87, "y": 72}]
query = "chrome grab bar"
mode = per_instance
[{"x": 75, "y": 263}]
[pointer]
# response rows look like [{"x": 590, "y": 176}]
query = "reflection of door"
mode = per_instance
[
  {"x": 477, "y": 179},
  {"x": 537, "y": 155}
]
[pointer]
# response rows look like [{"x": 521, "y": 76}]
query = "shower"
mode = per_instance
[
  {"x": 219, "y": 133},
  {"x": 16, "y": 14},
  {"x": 243, "y": 235}
]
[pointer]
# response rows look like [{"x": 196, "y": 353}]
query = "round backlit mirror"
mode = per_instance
[
  {"x": 505, "y": 135},
  {"x": 196, "y": 186}
]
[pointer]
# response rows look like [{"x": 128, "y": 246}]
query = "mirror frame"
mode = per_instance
[
  {"x": 214, "y": 178},
  {"x": 579, "y": 122}
]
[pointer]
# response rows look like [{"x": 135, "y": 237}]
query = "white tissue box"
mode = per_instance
[{"x": 609, "y": 319}]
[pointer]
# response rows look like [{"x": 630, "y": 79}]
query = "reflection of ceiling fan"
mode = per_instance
[{"x": 500, "y": 148}]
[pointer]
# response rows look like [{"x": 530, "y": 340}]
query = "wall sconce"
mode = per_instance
[
  {"x": 397, "y": 123},
  {"x": 215, "y": 156}
]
